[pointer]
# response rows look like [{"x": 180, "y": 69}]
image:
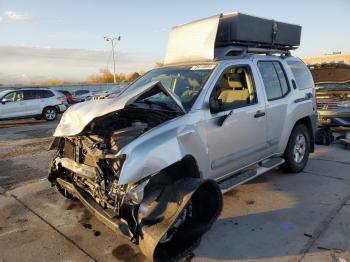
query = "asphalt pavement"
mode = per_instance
[{"x": 275, "y": 217}]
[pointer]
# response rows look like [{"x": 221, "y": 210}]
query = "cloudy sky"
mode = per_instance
[{"x": 63, "y": 40}]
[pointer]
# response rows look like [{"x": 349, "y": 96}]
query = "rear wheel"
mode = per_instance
[
  {"x": 296, "y": 154},
  {"x": 50, "y": 114}
]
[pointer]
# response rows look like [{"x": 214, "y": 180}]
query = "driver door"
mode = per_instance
[{"x": 236, "y": 133}]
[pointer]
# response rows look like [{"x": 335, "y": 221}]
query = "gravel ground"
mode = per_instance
[{"x": 24, "y": 151}]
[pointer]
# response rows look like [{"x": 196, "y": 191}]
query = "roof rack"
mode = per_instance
[{"x": 230, "y": 51}]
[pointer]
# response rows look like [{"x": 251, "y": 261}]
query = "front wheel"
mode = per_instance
[
  {"x": 297, "y": 152},
  {"x": 50, "y": 114}
]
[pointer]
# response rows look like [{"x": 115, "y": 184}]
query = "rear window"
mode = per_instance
[{"x": 303, "y": 77}]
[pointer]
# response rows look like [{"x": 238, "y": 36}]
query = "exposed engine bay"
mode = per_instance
[
  {"x": 93, "y": 152},
  {"x": 87, "y": 167}
]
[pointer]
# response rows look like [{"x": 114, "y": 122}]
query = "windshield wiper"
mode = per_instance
[{"x": 162, "y": 104}]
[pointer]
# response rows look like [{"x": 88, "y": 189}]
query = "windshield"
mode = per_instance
[
  {"x": 4, "y": 92},
  {"x": 185, "y": 81}
]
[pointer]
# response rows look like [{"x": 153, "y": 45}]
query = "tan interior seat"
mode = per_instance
[{"x": 233, "y": 91}]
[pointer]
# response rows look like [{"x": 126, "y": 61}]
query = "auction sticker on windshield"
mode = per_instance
[{"x": 203, "y": 67}]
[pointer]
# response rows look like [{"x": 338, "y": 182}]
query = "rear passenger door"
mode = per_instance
[
  {"x": 32, "y": 99},
  {"x": 277, "y": 91}
]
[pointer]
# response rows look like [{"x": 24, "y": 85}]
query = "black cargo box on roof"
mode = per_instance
[{"x": 244, "y": 30}]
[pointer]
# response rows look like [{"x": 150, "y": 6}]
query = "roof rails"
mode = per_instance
[{"x": 231, "y": 51}]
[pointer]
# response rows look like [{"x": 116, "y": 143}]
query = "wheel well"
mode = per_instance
[
  {"x": 186, "y": 167},
  {"x": 53, "y": 107},
  {"x": 306, "y": 121},
  {"x": 46, "y": 107}
]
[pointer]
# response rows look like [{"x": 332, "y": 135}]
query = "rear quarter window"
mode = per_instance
[{"x": 302, "y": 75}]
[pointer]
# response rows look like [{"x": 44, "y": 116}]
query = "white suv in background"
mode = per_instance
[{"x": 31, "y": 102}]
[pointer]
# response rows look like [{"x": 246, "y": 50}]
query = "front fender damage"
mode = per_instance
[{"x": 170, "y": 220}]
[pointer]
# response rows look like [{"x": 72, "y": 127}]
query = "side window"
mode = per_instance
[
  {"x": 235, "y": 88},
  {"x": 46, "y": 94},
  {"x": 282, "y": 78},
  {"x": 302, "y": 74},
  {"x": 30, "y": 94},
  {"x": 13, "y": 96},
  {"x": 274, "y": 78}
]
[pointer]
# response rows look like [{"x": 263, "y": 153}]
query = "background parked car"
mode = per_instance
[
  {"x": 26, "y": 103},
  {"x": 108, "y": 93},
  {"x": 81, "y": 95},
  {"x": 68, "y": 95}
]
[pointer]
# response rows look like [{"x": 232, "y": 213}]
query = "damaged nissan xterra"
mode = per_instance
[{"x": 229, "y": 104}]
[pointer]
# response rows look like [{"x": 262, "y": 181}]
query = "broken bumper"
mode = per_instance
[{"x": 159, "y": 212}]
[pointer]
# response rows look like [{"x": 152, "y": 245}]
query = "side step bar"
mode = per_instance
[
  {"x": 114, "y": 224},
  {"x": 243, "y": 177}
]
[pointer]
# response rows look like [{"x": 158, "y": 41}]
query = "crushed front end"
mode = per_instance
[{"x": 166, "y": 214}]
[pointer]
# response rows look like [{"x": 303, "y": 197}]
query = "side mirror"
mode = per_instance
[
  {"x": 215, "y": 104},
  {"x": 3, "y": 101}
]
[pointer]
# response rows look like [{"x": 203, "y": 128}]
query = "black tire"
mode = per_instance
[
  {"x": 296, "y": 154},
  {"x": 324, "y": 136},
  {"x": 50, "y": 114}
]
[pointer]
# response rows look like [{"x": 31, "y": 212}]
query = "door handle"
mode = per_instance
[{"x": 259, "y": 114}]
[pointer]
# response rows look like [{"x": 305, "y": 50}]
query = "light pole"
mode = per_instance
[{"x": 112, "y": 39}]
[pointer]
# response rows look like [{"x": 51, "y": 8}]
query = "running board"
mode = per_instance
[{"x": 243, "y": 177}]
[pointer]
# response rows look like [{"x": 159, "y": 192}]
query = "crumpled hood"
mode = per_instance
[{"x": 78, "y": 116}]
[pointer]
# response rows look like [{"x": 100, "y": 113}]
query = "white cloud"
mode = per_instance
[
  {"x": 1, "y": 19},
  {"x": 47, "y": 63},
  {"x": 17, "y": 16}
]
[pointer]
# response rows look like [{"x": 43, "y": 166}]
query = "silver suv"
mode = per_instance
[
  {"x": 39, "y": 103},
  {"x": 153, "y": 161}
]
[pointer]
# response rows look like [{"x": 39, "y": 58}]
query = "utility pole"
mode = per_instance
[{"x": 112, "y": 39}]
